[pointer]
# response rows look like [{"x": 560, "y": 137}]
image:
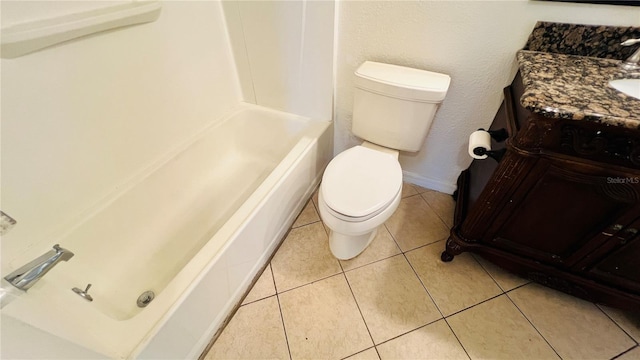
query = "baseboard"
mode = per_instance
[{"x": 428, "y": 183}]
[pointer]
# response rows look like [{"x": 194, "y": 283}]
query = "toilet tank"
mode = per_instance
[{"x": 394, "y": 105}]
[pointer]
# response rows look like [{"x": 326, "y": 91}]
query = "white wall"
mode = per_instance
[
  {"x": 81, "y": 118},
  {"x": 284, "y": 54},
  {"x": 473, "y": 41}
]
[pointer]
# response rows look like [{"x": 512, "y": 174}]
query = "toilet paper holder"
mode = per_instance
[
  {"x": 497, "y": 135},
  {"x": 494, "y": 154}
]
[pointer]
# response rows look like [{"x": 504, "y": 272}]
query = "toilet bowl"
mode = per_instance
[
  {"x": 361, "y": 188},
  {"x": 393, "y": 108}
]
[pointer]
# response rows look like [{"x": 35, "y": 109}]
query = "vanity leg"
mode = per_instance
[
  {"x": 451, "y": 249},
  {"x": 446, "y": 257}
]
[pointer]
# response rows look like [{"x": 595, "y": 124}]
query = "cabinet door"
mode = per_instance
[
  {"x": 556, "y": 213},
  {"x": 622, "y": 266}
]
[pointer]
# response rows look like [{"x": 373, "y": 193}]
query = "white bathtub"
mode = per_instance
[{"x": 195, "y": 230}]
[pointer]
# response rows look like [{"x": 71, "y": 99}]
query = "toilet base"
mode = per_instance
[{"x": 345, "y": 247}]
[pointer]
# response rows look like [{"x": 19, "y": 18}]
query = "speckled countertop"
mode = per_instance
[{"x": 575, "y": 87}]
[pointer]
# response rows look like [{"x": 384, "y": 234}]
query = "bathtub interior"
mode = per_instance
[{"x": 143, "y": 238}]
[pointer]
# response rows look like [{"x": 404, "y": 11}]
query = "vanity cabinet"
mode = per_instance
[{"x": 561, "y": 207}]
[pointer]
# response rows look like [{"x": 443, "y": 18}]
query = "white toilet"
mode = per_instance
[{"x": 393, "y": 108}]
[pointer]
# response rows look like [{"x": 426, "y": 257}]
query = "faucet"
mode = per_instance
[
  {"x": 27, "y": 275},
  {"x": 633, "y": 62}
]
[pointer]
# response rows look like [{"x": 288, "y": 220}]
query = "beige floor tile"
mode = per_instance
[
  {"x": 442, "y": 204},
  {"x": 631, "y": 355},
  {"x": 506, "y": 280},
  {"x": 420, "y": 189},
  {"x": 322, "y": 321},
  {"x": 408, "y": 190},
  {"x": 434, "y": 341},
  {"x": 415, "y": 224},
  {"x": 391, "y": 298},
  {"x": 303, "y": 257},
  {"x": 575, "y": 328},
  {"x": 454, "y": 285},
  {"x": 262, "y": 288},
  {"x": 307, "y": 216},
  {"x": 382, "y": 246},
  {"x": 255, "y": 332},
  {"x": 369, "y": 354},
  {"x": 629, "y": 321},
  {"x": 497, "y": 330}
]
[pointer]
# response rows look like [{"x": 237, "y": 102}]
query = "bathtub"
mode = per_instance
[{"x": 195, "y": 229}]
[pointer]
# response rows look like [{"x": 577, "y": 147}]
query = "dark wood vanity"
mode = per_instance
[{"x": 561, "y": 207}]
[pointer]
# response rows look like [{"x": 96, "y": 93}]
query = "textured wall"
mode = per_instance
[
  {"x": 473, "y": 41},
  {"x": 81, "y": 118}
]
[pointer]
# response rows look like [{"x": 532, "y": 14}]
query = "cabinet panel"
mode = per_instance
[
  {"x": 621, "y": 266},
  {"x": 559, "y": 212}
]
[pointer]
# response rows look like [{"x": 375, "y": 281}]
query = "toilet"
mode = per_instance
[{"x": 393, "y": 108}]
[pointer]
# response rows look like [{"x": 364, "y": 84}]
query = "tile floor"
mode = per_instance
[{"x": 397, "y": 300}]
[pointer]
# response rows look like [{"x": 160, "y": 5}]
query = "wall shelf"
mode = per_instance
[{"x": 24, "y": 38}]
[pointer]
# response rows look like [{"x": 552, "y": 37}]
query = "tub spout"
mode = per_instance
[{"x": 29, "y": 274}]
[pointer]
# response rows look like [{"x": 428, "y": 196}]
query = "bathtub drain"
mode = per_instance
[{"x": 145, "y": 298}]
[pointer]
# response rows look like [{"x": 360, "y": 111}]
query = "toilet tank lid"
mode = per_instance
[{"x": 402, "y": 82}]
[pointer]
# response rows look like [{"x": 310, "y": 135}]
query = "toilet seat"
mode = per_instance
[{"x": 360, "y": 183}]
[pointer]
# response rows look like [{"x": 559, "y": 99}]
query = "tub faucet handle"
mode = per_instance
[{"x": 84, "y": 293}]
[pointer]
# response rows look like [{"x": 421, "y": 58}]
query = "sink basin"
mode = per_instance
[{"x": 630, "y": 87}]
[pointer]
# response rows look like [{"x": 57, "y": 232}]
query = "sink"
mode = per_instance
[{"x": 630, "y": 87}]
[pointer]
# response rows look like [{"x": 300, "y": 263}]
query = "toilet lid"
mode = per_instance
[{"x": 361, "y": 181}]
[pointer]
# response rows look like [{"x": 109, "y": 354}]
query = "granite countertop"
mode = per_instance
[{"x": 571, "y": 86}]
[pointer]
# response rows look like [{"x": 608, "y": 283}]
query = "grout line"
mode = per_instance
[
  {"x": 519, "y": 286},
  {"x": 392, "y": 237},
  {"x": 615, "y": 322},
  {"x": 532, "y": 325},
  {"x": 435, "y": 212},
  {"x": 360, "y": 352},
  {"x": 486, "y": 271},
  {"x": 456, "y": 336},
  {"x": 373, "y": 262},
  {"x": 303, "y": 225},
  {"x": 360, "y": 311},
  {"x": 425, "y": 245},
  {"x": 474, "y": 305},
  {"x": 309, "y": 283},
  {"x": 624, "y": 352},
  {"x": 268, "y": 267},
  {"x": 256, "y": 300},
  {"x": 423, "y": 285},
  {"x": 436, "y": 305},
  {"x": 410, "y": 331},
  {"x": 284, "y": 327}
]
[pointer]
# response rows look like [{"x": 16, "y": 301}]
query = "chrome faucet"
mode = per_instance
[
  {"x": 29, "y": 274},
  {"x": 633, "y": 62}
]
